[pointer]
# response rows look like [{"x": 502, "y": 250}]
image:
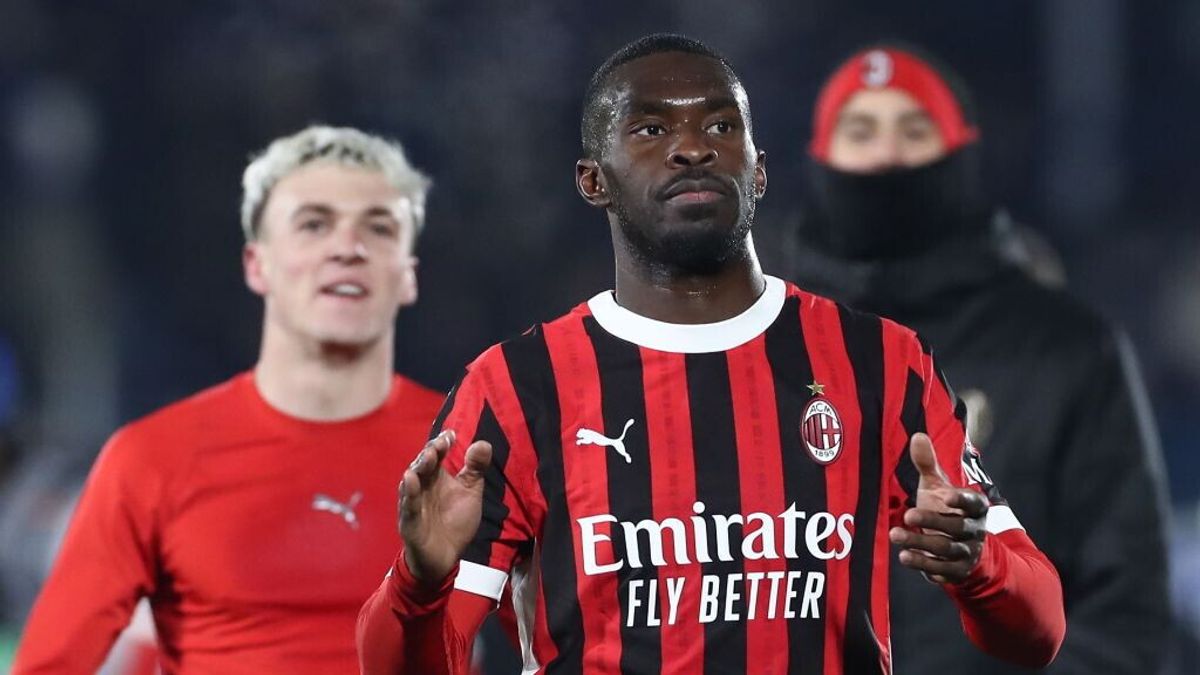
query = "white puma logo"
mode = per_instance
[
  {"x": 587, "y": 436},
  {"x": 322, "y": 502}
]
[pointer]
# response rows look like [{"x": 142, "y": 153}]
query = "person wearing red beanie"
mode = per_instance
[{"x": 896, "y": 221}]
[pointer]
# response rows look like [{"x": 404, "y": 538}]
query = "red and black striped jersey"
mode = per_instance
[{"x": 714, "y": 498}]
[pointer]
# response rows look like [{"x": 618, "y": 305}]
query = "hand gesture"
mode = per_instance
[
  {"x": 440, "y": 513},
  {"x": 952, "y": 522}
]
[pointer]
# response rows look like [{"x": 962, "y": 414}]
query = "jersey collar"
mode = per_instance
[{"x": 690, "y": 338}]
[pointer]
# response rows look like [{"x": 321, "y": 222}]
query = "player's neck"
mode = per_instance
[
  {"x": 323, "y": 382},
  {"x": 677, "y": 297}
]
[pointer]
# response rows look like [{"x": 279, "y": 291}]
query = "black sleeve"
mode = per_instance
[{"x": 1110, "y": 523}]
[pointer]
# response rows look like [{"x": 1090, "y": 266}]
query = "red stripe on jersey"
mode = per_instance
[
  {"x": 463, "y": 419},
  {"x": 760, "y": 476},
  {"x": 945, "y": 430},
  {"x": 586, "y": 487},
  {"x": 822, "y": 329},
  {"x": 673, "y": 487},
  {"x": 521, "y": 462}
]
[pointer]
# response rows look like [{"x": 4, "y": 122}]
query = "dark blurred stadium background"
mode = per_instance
[{"x": 124, "y": 128}]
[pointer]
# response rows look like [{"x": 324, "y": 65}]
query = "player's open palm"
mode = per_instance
[
  {"x": 439, "y": 512},
  {"x": 951, "y": 521}
]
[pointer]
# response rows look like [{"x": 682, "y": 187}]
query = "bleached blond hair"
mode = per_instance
[{"x": 338, "y": 145}]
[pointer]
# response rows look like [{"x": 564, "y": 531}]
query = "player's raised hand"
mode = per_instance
[
  {"x": 439, "y": 513},
  {"x": 951, "y": 519}
]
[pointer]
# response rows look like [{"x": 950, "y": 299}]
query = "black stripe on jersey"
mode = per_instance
[
  {"x": 528, "y": 357},
  {"x": 912, "y": 418},
  {"x": 495, "y": 511},
  {"x": 714, "y": 447},
  {"x": 623, "y": 398},
  {"x": 447, "y": 406},
  {"x": 863, "y": 335},
  {"x": 803, "y": 478}
]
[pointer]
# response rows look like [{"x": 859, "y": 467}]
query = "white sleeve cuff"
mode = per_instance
[
  {"x": 480, "y": 580},
  {"x": 1001, "y": 518}
]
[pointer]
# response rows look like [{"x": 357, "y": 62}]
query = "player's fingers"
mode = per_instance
[
  {"x": 920, "y": 450},
  {"x": 445, "y": 441},
  {"x": 943, "y": 571},
  {"x": 951, "y": 525},
  {"x": 974, "y": 504},
  {"x": 410, "y": 494},
  {"x": 478, "y": 458},
  {"x": 429, "y": 460},
  {"x": 935, "y": 545},
  {"x": 441, "y": 445}
]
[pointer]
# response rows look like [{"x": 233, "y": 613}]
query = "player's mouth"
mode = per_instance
[
  {"x": 695, "y": 197},
  {"x": 704, "y": 190},
  {"x": 346, "y": 289}
]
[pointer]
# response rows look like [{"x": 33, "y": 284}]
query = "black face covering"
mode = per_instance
[{"x": 895, "y": 214}]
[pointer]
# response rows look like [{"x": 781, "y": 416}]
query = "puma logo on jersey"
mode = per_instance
[
  {"x": 589, "y": 437},
  {"x": 323, "y": 502}
]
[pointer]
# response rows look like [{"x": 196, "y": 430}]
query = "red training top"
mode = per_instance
[{"x": 255, "y": 535}]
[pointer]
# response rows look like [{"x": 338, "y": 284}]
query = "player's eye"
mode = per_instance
[
  {"x": 918, "y": 132},
  {"x": 312, "y": 224},
  {"x": 721, "y": 127},
  {"x": 858, "y": 133},
  {"x": 383, "y": 227},
  {"x": 650, "y": 130}
]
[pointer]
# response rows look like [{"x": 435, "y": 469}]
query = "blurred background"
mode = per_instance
[{"x": 124, "y": 128}]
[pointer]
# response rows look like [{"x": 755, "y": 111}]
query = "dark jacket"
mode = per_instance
[{"x": 1057, "y": 408}]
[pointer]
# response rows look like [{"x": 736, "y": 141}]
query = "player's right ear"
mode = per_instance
[
  {"x": 252, "y": 268},
  {"x": 590, "y": 183}
]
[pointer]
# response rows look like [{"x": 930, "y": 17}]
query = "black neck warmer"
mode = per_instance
[{"x": 895, "y": 214}]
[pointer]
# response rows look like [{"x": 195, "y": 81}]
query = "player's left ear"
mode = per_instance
[
  {"x": 590, "y": 183},
  {"x": 760, "y": 174},
  {"x": 252, "y": 268}
]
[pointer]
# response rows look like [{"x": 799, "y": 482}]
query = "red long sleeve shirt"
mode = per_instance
[{"x": 255, "y": 535}]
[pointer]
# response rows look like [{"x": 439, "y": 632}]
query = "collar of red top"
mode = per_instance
[{"x": 883, "y": 68}]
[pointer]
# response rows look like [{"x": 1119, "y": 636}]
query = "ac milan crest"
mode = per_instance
[{"x": 821, "y": 430}]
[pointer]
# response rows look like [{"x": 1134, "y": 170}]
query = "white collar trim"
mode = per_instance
[{"x": 683, "y": 338}]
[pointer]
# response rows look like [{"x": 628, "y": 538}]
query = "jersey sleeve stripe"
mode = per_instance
[{"x": 480, "y": 580}]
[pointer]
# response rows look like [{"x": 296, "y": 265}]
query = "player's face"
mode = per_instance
[
  {"x": 881, "y": 129},
  {"x": 680, "y": 167},
  {"x": 333, "y": 260}
]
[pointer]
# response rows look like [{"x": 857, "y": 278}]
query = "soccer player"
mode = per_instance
[
  {"x": 704, "y": 472},
  {"x": 256, "y": 515},
  {"x": 900, "y": 224}
]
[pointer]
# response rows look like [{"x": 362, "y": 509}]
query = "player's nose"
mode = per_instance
[
  {"x": 692, "y": 149},
  {"x": 347, "y": 246}
]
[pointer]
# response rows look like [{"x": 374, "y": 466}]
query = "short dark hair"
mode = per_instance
[{"x": 596, "y": 117}]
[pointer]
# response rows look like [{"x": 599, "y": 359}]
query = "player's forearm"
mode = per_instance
[
  {"x": 403, "y": 628},
  {"x": 1011, "y": 606}
]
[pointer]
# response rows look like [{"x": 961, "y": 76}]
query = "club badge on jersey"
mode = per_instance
[{"x": 821, "y": 427}]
